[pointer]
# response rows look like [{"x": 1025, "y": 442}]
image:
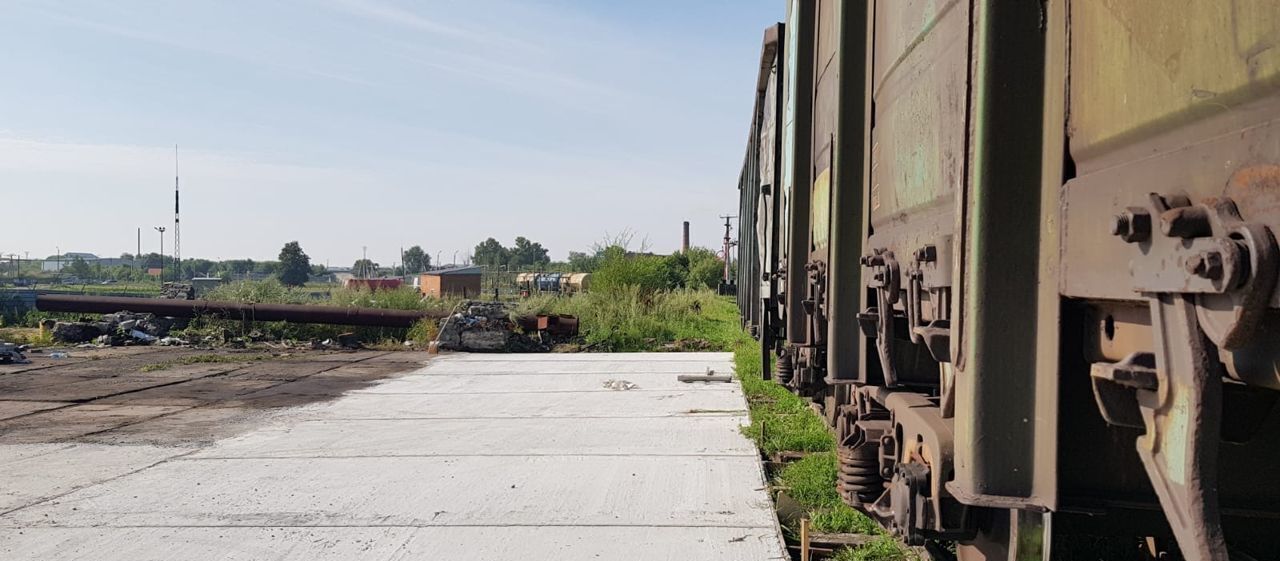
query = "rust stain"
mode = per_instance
[{"x": 1256, "y": 191}]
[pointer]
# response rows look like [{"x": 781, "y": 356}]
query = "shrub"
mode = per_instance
[
  {"x": 260, "y": 292},
  {"x": 618, "y": 270}
]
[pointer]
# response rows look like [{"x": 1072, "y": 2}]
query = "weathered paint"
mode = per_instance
[
  {"x": 821, "y": 209},
  {"x": 920, "y": 88},
  {"x": 1141, "y": 67}
]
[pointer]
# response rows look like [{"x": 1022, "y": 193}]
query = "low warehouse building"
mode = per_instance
[{"x": 456, "y": 281}]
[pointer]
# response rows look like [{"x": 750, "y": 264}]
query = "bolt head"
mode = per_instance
[
  {"x": 1133, "y": 225},
  {"x": 1206, "y": 265}
]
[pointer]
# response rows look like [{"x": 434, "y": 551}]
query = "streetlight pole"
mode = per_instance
[{"x": 161, "y": 229}]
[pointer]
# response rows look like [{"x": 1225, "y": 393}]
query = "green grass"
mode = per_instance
[
  {"x": 632, "y": 319},
  {"x": 780, "y": 420},
  {"x": 203, "y": 359},
  {"x": 25, "y": 336},
  {"x": 842, "y": 520},
  {"x": 883, "y": 548},
  {"x": 783, "y": 422},
  {"x": 811, "y": 480}
]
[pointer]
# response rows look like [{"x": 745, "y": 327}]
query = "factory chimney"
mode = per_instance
[{"x": 684, "y": 244}]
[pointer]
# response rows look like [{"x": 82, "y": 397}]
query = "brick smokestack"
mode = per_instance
[{"x": 684, "y": 244}]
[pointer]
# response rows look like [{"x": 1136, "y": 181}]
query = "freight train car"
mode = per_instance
[{"x": 1022, "y": 255}]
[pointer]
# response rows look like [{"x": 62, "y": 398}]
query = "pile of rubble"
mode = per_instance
[
  {"x": 177, "y": 291},
  {"x": 485, "y": 327},
  {"x": 120, "y": 328},
  {"x": 12, "y": 354}
]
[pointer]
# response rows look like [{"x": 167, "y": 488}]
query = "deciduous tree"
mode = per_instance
[{"x": 295, "y": 266}]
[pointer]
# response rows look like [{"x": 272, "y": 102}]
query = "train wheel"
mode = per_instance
[{"x": 1009, "y": 535}]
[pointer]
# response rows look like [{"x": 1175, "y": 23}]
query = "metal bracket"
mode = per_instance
[
  {"x": 1183, "y": 418},
  {"x": 886, "y": 278},
  {"x": 1208, "y": 279}
]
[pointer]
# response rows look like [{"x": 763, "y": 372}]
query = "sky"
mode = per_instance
[{"x": 379, "y": 124}]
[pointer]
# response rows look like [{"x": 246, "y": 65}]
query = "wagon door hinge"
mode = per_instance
[{"x": 1208, "y": 277}]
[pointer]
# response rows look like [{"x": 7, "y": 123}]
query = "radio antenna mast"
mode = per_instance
[{"x": 177, "y": 234}]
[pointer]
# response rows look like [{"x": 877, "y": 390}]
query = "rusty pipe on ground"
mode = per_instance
[{"x": 295, "y": 313}]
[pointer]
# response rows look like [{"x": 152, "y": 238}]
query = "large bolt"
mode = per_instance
[
  {"x": 1186, "y": 222},
  {"x": 1132, "y": 225},
  {"x": 1206, "y": 265}
]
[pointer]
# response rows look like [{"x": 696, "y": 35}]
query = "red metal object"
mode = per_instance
[{"x": 558, "y": 325}]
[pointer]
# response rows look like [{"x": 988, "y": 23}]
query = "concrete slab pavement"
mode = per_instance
[{"x": 488, "y": 457}]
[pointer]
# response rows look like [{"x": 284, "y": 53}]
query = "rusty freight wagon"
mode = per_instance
[{"x": 1022, "y": 255}]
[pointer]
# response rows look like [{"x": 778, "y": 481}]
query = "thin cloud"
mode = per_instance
[
  {"x": 256, "y": 58},
  {"x": 395, "y": 15}
]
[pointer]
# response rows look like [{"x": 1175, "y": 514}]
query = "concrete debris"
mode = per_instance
[
  {"x": 118, "y": 329},
  {"x": 484, "y": 327},
  {"x": 76, "y": 332},
  {"x": 12, "y": 354},
  {"x": 177, "y": 291},
  {"x": 343, "y": 342},
  {"x": 619, "y": 385}
]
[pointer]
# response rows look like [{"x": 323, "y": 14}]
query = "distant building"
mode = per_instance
[
  {"x": 55, "y": 263},
  {"x": 202, "y": 285},
  {"x": 455, "y": 281}
]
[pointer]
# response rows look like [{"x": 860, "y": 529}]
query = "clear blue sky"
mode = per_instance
[{"x": 382, "y": 123}]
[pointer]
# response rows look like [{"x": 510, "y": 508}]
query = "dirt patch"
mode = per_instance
[{"x": 110, "y": 396}]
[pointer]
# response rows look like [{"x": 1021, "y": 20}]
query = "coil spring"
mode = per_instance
[
  {"x": 859, "y": 480},
  {"x": 784, "y": 369}
]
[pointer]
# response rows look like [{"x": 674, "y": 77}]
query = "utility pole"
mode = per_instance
[
  {"x": 161, "y": 229},
  {"x": 728, "y": 244},
  {"x": 137, "y": 257}
]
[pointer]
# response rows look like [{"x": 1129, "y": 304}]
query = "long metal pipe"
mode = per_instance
[{"x": 295, "y": 313}]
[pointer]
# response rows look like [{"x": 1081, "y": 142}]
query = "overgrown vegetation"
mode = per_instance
[
  {"x": 783, "y": 422},
  {"x": 25, "y": 336},
  {"x": 629, "y": 318},
  {"x": 616, "y": 268},
  {"x": 273, "y": 292}
]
